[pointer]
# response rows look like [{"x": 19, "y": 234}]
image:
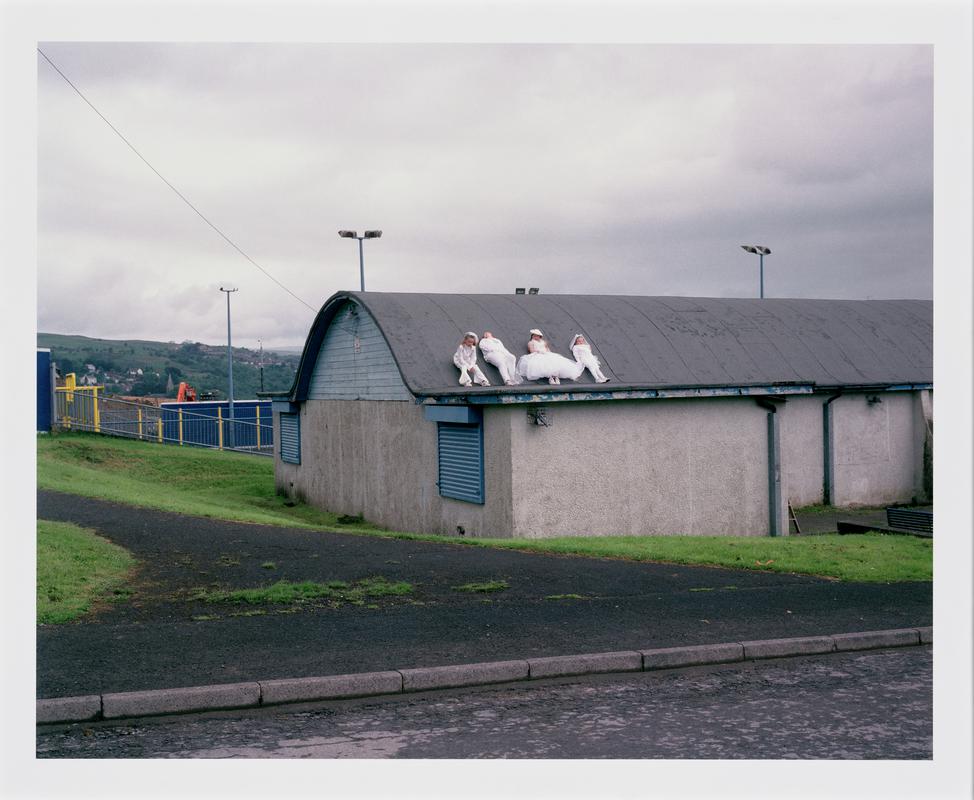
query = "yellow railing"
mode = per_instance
[
  {"x": 86, "y": 408},
  {"x": 77, "y": 406}
]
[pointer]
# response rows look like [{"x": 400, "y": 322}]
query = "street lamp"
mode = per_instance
[
  {"x": 361, "y": 257},
  {"x": 762, "y": 252},
  {"x": 230, "y": 290}
]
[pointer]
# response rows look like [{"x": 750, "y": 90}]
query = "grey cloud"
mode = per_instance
[{"x": 617, "y": 168}]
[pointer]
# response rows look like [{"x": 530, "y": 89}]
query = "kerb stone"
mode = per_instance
[
  {"x": 175, "y": 701},
  {"x": 69, "y": 709},
  {"x": 417, "y": 680},
  {"x": 778, "y": 648},
  {"x": 867, "y": 640},
  {"x": 556, "y": 666},
  {"x": 693, "y": 655},
  {"x": 926, "y": 635},
  {"x": 330, "y": 687}
]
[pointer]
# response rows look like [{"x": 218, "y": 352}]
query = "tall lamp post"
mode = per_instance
[
  {"x": 762, "y": 252},
  {"x": 230, "y": 290},
  {"x": 361, "y": 257}
]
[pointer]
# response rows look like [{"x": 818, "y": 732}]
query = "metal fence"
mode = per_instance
[{"x": 85, "y": 409}]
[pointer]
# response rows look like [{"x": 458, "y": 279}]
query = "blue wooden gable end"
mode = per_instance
[{"x": 355, "y": 362}]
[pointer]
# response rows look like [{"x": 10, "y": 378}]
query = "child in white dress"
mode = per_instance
[
  {"x": 582, "y": 351},
  {"x": 495, "y": 353},
  {"x": 466, "y": 360},
  {"x": 540, "y": 362}
]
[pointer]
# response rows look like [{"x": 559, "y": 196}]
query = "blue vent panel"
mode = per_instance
[
  {"x": 290, "y": 438},
  {"x": 461, "y": 461}
]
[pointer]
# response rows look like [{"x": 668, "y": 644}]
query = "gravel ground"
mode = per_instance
[{"x": 159, "y": 638}]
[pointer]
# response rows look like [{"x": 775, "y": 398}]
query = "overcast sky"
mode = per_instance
[{"x": 613, "y": 169}]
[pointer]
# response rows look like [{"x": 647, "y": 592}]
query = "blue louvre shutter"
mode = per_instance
[
  {"x": 461, "y": 461},
  {"x": 290, "y": 439}
]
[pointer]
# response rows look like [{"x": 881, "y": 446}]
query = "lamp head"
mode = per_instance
[
  {"x": 373, "y": 234},
  {"x": 348, "y": 234}
]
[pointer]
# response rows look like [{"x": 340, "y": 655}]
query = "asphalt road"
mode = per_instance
[
  {"x": 160, "y": 638},
  {"x": 866, "y": 705}
]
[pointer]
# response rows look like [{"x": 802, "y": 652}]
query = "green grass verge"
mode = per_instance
[
  {"x": 483, "y": 587},
  {"x": 239, "y": 487},
  {"x": 288, "y": 592},
  {"x": 75, "y": 569},
  {"x": 862, "y": 557},
  {"x": 186, "y": 480}
]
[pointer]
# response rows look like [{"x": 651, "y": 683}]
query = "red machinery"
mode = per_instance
[{"x": 186, "y": 394}]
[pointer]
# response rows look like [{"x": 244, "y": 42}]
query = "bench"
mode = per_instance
[{"x": 910, "y": 519}]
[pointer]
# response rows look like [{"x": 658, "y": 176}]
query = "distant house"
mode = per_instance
[{"x": 718, "y": 413}]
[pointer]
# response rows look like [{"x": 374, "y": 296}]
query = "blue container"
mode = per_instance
[
  {"x": 201, "y": 422},
  {"x": 45, "y": 390}
]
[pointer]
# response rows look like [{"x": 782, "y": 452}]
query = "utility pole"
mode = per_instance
[
  {"x": 260, "y": 344},
  {"x": 232, "y": 438}
]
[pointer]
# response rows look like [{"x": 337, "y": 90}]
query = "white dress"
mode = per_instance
[
  {"x": 584, "y": 356},
  {"x": 465, "y": 359},
  {"x": 495, "y": 353},
  {"x": 542, "y": 363}
]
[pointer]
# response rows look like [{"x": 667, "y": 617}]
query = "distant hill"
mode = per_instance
[
  {"x": 138, "y": 367},
  {"x": 295, "y": 350}
]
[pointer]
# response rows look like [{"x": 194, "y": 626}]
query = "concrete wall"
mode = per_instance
[
  {"x": 802, "y": 450},
  {"x": 379, "y": 459},
  {"x": 878, "y": 449},
  {"x": 695, "y": 467}
]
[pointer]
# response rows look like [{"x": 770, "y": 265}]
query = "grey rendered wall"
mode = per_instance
[
  {"x": 379, "y": 459},
  {"x": 695, "y": 467},
  {"x": 878, "y": 452},
  {"x": 923, "y": 421},
  {"x": 802, "y": 450}
]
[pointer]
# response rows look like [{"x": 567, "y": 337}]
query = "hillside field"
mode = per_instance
[{"x": 117, "y": 363}]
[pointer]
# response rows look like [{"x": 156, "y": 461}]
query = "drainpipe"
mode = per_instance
[
  {"x": 828, "y": 450},
  {"x": 774, "y": 468}
]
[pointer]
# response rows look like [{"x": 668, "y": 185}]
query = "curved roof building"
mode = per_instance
[
  {"x": 647, "y": 343},
  {"x": 718, "y": 414}
]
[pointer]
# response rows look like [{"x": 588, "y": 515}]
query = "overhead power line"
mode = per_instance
[{"x": 179, "y": 194}]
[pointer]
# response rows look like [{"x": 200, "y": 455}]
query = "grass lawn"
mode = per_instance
[
  {"x": 287, "y": 592},
  {"x": 75, "y": 569},
  {"x": 241, "y": 487}
]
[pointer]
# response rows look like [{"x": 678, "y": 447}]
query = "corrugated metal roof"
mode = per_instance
[{"x": 656, "y": 342}]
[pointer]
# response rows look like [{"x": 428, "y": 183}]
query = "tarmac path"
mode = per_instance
[{"x": 159, "y": 638}]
